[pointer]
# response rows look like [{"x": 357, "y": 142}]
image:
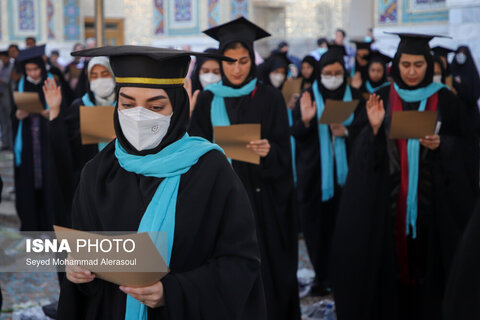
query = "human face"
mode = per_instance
[
  {"x": 437, "y": 70},
  {"x": 30, "y": 43},
  {"x": 361, "y": 57},
  {"x": 375, "y": 71},
  {"x": 236, "y": 72},
  {"x": 155, "y": 100},
  {"x": 13, "y": 52},
  {"x": 99, "y": 71},
  {"x": 334, "y": 69},
  {"x": 412, "y": 69},
  {"x": 306, "y": 70},
  {"x": 339, "y": 38},
  {"x": 210, "y": 66},
  {"x": 33, "y": 71}
]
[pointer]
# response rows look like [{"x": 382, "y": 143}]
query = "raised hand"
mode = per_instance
[
  {"x": 357, "y": 80},
  {"x": 375, "y": 112},
  {"x": 53, "y": 97},
  {"x": 307, "y": 108}
]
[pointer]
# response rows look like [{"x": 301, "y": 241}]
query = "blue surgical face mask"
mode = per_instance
[{"x": 368, "y": 39}]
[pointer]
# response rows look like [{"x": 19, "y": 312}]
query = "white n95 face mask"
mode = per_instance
[
  {"x": 209, "y": 78},
  {"x": 102, "y": 87},
  {"x": 437, "y": 78},
  {"x": 332, "y": 82},
  {"x": 276, "y": 79},
  {"x": 144, "y": 129}
]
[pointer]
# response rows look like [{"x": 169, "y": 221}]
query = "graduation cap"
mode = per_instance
[
  {"x": 360, "y": 44},
  {"x": 413, "y": 43},
  {"x": 340, "y": 49},
  {"x": 4, "y": 53},
  {"x": 31, "y": 53},
  {"x": 441, "y": 51},
  {"x": 377, "y": 56},
  {"x": 238, "y": 30},
  {"x": 142, "y": 66}
]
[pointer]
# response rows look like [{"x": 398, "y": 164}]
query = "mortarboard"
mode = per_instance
[
  {"x": 240, "y": 29},
  {"x": 143, "y": 66}
]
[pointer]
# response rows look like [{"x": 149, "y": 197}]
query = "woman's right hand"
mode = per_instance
[
  {"x": 78, "y": 275},
  {"x": 53, "y": 97},
  {"x": 21, "y": 114},
  {"x": 307, "y": 108},
  {"x": 375, "y": 112}
]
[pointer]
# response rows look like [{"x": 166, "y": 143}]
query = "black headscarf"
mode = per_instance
[
  {"x": 395, "y": 70},
  {"x": 314, "y": 63},
  {"x": 437, "y": 59},
  {"x": 196, "y": 84},
  {"x": 377, "y": 59},
  {"x": 328, "y": 58},
  {"x": 40, "y": 63},
  {"x": 253, "y": 69},
  {"x": 178, "y": 124},
  {"x": 469, "y": 87},
  {"x": 275, "y": 61}
]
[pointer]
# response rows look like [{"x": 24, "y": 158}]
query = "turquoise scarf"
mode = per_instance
[
  {"x": 218, "y": 112},
  {"x": 292, "y": 145},
  {"x": 170, "y": 163},
  {"x": 18, "y": 144},
  {"x": 371, "y": 89},
  {"x": 413, "y": 150},
  {"x": 339, "y": 146},
  {"x": 88, "y": 103}
]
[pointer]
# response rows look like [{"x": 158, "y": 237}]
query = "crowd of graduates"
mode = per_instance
[{"x": 383, "y": 219}]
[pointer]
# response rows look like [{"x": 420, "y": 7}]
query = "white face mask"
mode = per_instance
[
  {"x": 276, "y": 79},
  {"x": 332, "y": 82},
  {"x": 437, "y": 78},
  {"x": 209, "y": 78},
  {"x": 144, "y": 129},
  {"x": 31, "y": 80},
  {"x": 102, "y": 87},
  {"x": 461, "y": 58}
]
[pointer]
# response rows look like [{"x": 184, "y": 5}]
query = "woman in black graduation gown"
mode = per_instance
[
  {"x": 185, "y": 183},
  {"x": 270, "y": 184},
  {"x": 318, "y": 195},
  {"x": 274, "y": 70},
  {"x": 394, "y": 240},
  {"x": 68, "y": 155},
  {"x": 377, "y": 73},
  {"x": 359, "y": 72},
  {"x": 308, "y": 72},
  {"x": 33, "y": 194}
]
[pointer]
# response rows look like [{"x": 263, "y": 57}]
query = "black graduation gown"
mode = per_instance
[
  {"x": 462, "y": 294},
  {"x": 364, "y": 253},
  {"x": 318, "y": 217},
  {"x": 270, "y": 189},
  {"x": 68, "y": 157},
  {"x": 215, "y": 263},
  {"x": 33, "y": 204}
]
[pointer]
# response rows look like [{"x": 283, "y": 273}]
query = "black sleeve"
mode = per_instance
[
  {"x": 362, "y": 248},
  {"x": 228, "y": 286},
  {"x": 275, "y": 129},
  {"x": 200, "y": 123}
]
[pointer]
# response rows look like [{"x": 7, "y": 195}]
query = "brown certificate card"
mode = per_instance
[
  {"x": 234, "y": 139},
  {"x": 291, "y": 87},
  {"x": 96, "y": 124},
  {"x": 28, "y": 101},
  {"x": 141, "y": 267},
  {"x": 337, "y": 111},
  {"x": 412, "y": 124}
]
